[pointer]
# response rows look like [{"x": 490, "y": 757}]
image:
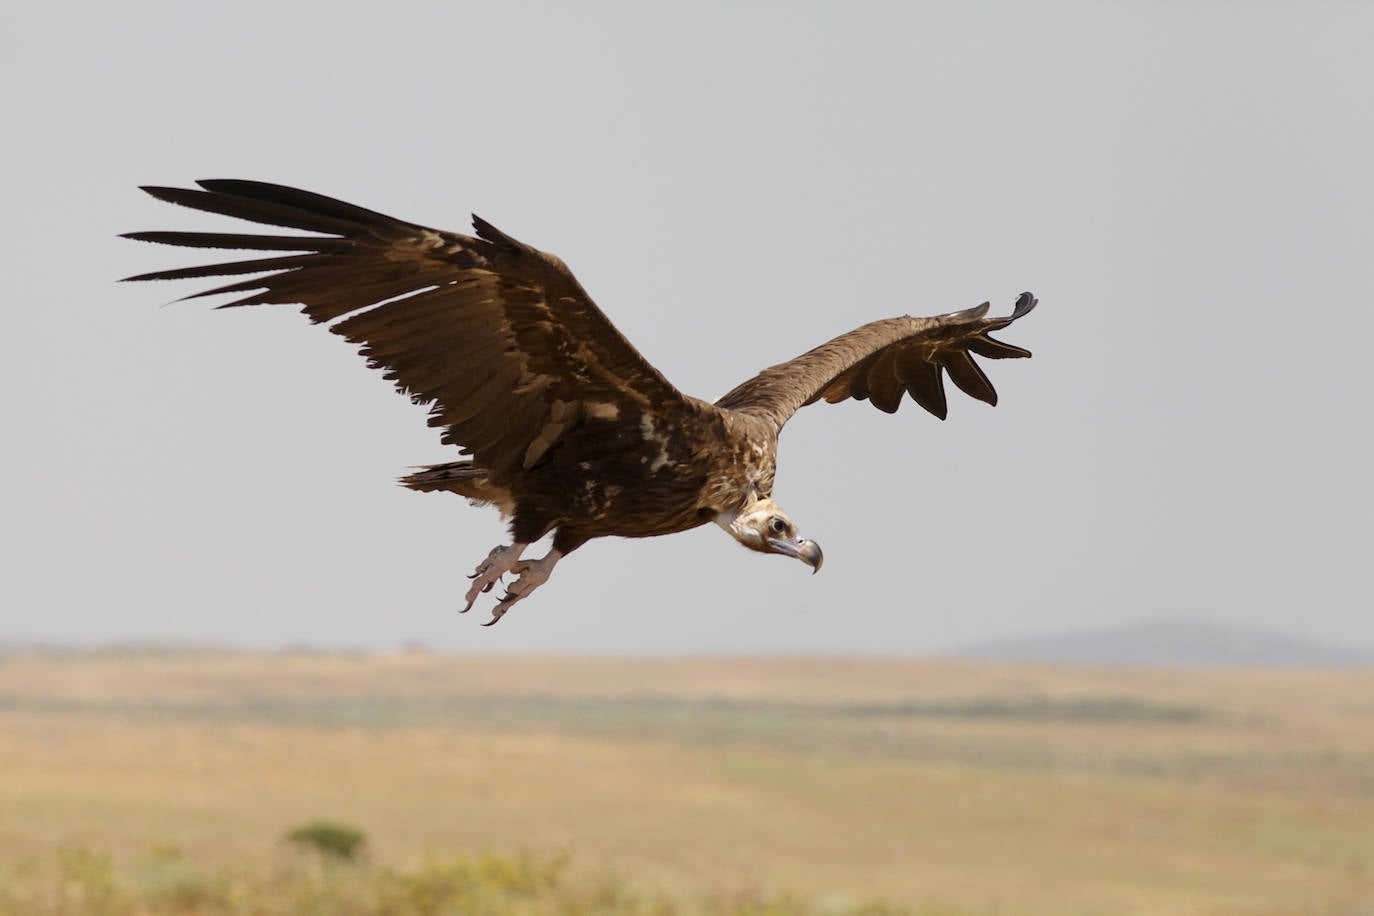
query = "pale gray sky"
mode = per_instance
[{"x": 1188, "y": 188}]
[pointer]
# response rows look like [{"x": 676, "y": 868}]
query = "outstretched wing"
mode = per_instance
[
  {"x": 881, "y": 360},
  {"x": 500, "y": 338}
]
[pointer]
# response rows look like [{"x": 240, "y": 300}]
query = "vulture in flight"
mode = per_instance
[{"x": 561, "y": 424}]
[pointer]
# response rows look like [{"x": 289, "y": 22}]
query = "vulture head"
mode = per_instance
[{"x": 761, "y": 525}]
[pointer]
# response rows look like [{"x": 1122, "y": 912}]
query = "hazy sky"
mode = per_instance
[{"x": 1188, "y": 188}]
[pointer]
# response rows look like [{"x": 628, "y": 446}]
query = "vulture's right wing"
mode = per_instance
[{"x": 881, "y": 360}]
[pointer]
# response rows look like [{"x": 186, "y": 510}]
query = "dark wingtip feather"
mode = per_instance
[
  {"x": 486, "y": 230},
  {"x": 231, "y": 268},
  {"x": 240, "y": 241},
  {"x": 1024, "y": 303},
  {"x": 285, "y": 207},
  {"x": 138, "y": 278},
  {"x": 308, "y": 201},
  {"x": 938, "y": 411},
  {"x": 167, "y": 195},
  {"x": 989, "y": 348},
  {"x": 969, "y": 379},
  {"x": 928, "y": 389}
]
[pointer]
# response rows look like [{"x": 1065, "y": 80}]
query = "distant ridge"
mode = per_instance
[{"x": 1171, "y": 642}]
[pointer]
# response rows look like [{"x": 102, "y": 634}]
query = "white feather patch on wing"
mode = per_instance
[{"x": 648, "y": 429}]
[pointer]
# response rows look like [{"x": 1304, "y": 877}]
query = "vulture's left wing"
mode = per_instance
[
  {"x": 882, "y": 360},
  {"x": 498, "y": 337}
]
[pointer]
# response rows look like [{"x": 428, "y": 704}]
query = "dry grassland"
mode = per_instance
[{"x": 949, "y": 787}]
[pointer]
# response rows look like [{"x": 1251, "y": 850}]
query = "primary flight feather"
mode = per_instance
[{"x": 566, "y": 428}]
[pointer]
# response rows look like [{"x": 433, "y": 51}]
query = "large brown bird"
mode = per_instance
[{"x": 566, "y": 427}]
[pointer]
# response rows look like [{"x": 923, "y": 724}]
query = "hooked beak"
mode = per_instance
[{"x": 808, "y": 551}]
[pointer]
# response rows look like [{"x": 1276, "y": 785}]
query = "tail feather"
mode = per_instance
[
  {"x": 450, "y": 476},
  {"x": 463, "y": 478}
]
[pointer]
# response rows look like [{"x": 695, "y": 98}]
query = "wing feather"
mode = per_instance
[
  {"x": 255, "y": 266},
  {"x": 880, "y": 360},
  {"x": 493, "y": 334},
  {"x": 256, "y": 209},
  {"x": 964, "y": 373},
  {"x": 229, "y": 241},
  {"x": 995, "y": 349},
  {"x": 884, "y": 390},
  {"x": 924, "y": 381}
]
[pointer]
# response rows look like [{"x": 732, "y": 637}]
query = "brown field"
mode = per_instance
[{"x": 938, "y": 786}]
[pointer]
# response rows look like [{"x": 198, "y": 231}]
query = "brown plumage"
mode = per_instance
[{"x": 567, "y": 428}]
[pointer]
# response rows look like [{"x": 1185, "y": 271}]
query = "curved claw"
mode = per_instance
[
  {"x": 474, "y": 575},
  {"x": 499, "y": 611},
  {"x": 488, "y": 587}
]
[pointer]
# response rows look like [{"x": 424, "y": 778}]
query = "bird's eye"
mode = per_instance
[{"x": 778, "y": 525}]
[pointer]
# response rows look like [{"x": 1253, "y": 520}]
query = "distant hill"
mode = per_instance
[{"x": 1170, "y": 642}]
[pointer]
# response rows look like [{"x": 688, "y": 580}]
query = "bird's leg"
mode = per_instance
[
  {"x": 499, "y": 562},
  {"x": 533, "y": 573}
]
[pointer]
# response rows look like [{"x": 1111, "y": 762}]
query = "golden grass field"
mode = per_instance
[{"x": 806, "y": 785}]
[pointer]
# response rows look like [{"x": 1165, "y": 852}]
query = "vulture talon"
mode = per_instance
[{"x": 490, "y": 570}]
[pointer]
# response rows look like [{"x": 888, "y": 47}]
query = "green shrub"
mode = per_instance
[{"x": 330, "y": 840}]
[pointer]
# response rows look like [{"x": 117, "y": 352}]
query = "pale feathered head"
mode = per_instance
[{"x": 762, "y": 526}]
